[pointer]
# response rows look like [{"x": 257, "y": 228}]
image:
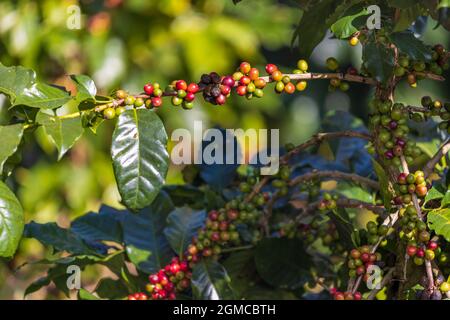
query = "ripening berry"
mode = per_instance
[
  {"x": 245, "y": 80},
  {"x": 301, "y": 85},
  {"x": 353, "y": 41},
  {"x": 277, "y": 75},
  {"x": 121, "y": 94},
  {"x": 260, "y": 83},
  {"x": 253, "y": 74},
  {"x": 156, "y": 102},
  {"x": 245, "y": 67},
  {"x": 228, "y": 81},
  {"x": 289, "y": 88},
  {"x": 192, "y": 88},
  {"x": 241, "y": 90},
  {"x": 271, "y": 68},
  {"x": 148, "y": 89},
  {"x": 181, "y": 85}
]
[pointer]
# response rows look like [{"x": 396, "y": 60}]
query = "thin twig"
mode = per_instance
[
  {"x": 335, "y": 175},
  {"x": 443, "y": 150}
]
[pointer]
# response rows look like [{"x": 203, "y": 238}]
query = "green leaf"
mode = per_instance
[
  {"x": 143, "y": 234},
  {"x": 210, "y": 281},
  {"x": 14, "y": 80},
  {"x": 11, "y": 137},
  {"x": 436, "y": 192},
  {"x": 50, "y": 234},
  {"x": 378, "y": 60},
  {"x": 343, "y": 28},
  {"x": 439, "y": 221},
  {"x": 182, "y": 224},
  {"x": 406, "y": 17},
  {"x": 43, "y": 96},
  {"x": 345, "y": 228},
  {"x": 108, "y": 288},
  {"x": 64, "y": 133},
  {"x": 86, "y": 89},
  {"x": 140, "y": 158},
  {"x": 11, "y": 221},
  {"x": 283, "y": 262},
  {"x": 185, "y": 195},
  {"x": 102, "y": 226},
  {"x": 409, "y": 44},
  {"x": 384, "y": 184},
  {"x": 83, "y": 294}
]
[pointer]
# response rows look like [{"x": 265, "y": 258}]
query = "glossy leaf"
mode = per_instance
[
  {"x": 50, "y": 234},
  {"x": 102, "y": 226},
  {"x": 140, "y": 158},
  {"x": 11, "y": 221},
  {"x": 182, "y": 225},
  {"x": 11, "y": 137},
  {"x": 343, "y": 28},
  {"x": 14, "y": 80},
  {"x": 409, "y": 44},
  {"x": 143, "y": 235},
  {"x": 386, "y": 195},
  {"x": 439, "y": 221},
  {"x": 210, "y": 281},
  {"x": 86, "y": 89},
  {"x": 43, "y": 96},
  {"x": 379, "y": 60},
  {"x": 282, "y": 262},
  {"x": 64, "y": 133}
]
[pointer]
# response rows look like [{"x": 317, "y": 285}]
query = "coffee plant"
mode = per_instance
[{"x": 230, "y": 232}]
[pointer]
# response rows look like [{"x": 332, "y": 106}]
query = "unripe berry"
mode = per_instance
[
  {"x": 301, "y": 85},
  {"x": 130, "y": 100},
  {"x": 109, "y": 113},
  {"x": 121, "y": 94},
  {"x": 139, "y": 102},
  {"x": 302, "y": 65}
]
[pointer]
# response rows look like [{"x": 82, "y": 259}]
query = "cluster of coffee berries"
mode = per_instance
[
  {"x": 249, "y": 82},
  {"x": 318, "y": 228},
  {"x": 408, "y": 184},
  {"x": 339, "y": 295},
  {"x": 335, "y": 83},
  {"x": 437, "y": 108},
  {"x": 413, "y": 229},
  {"x": 415, "y": 69},
  {"x": 283, "y": 82},
  {"x": 138, "y": 296},
  {"x": 376, "y": 232},
  {"x": 440, "y": 287},
  {"x": 281, "y": 180},
  {"x": 183, "y": 94},
  {"x": 154, "y": 100},
  {"x": 328, "y": 202},
  {"x": 302, "y": 67},
  {"x": 213, "y": 90},
  {"x": 312, "y": 188},
  {"x": 174, "y": 277},
  {"x": 391, "y": 122},
  {"x": 420, "y": 253},
  {"x": 360, "y": 260}
]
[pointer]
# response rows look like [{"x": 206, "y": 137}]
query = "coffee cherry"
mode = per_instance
[
  {"x": 120, "y": 110},
  {"x": 445, "y": 287},
  {"x": 121, "y": 94},
  {"x": 241, "y": 90},
  {"x": 332, "y": 64},
  {"x": 411, "y": 251},
  {"x": 194, "y": 88},
  {"x": 271, "y": 68},
  {"x": 129, "y": 101},
  {"x": 302, "y": 65},
  {"x": 139, "y": 102},
  {"x": 109, "y": 113},
  {"x": 228, "y": 81},
  {"x": 156, "y": 102},
  {"x": 432, "y": 245},
  {"x": 253, "y": 74},
  {"x": 301, "y": 85},
  {"x": 289, "y": 88},
  {"x": 245, "y": 67},
  {"x": 429, "y": 254},
  {"x": 277, "y": 75},
  {"x": 353, "y": 41}
]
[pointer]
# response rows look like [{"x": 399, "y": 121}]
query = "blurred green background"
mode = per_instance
[{"x": 124, "y": 44}]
